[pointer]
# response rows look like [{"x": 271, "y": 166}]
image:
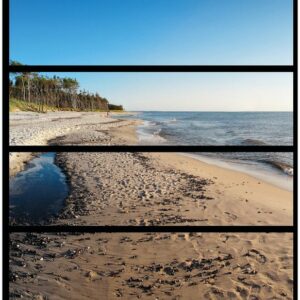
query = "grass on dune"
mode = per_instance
[{"x": 20, "y": 105}]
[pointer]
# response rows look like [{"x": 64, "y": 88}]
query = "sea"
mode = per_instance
[{"x": 226, "y": 128}]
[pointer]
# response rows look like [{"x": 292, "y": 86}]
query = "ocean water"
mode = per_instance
[{"x": 226, "y": 128}]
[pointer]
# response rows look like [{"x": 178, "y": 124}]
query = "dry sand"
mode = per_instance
[
  {"x": 166, "y": 189},
  {"x": 18, "y": 161},
  {"x": 151, "y": 266},
  {"x": 30, "y": 128}
]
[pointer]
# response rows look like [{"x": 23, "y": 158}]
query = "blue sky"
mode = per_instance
[
  {"x": 151, "y": 31},
  {"x": 191, "y": 91}
]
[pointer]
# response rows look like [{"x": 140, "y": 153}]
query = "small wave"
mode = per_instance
[
  {"x": 147, "y": 123},
  {"x": 284, "y": 167},
  {"x": 253, "y": 142},
  {"x": 171, "y": 121},
  {"x": 203, "y": 125},
  {"x": 150, "y": 137},
  {"x": 156, "y": 133}
]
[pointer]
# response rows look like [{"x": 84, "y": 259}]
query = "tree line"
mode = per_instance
[{"x": 58, "y": 92}]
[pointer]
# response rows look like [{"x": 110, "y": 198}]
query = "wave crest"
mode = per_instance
[
  {"x": 284, "y": 167},
  {"x": 253, "y": 142}
]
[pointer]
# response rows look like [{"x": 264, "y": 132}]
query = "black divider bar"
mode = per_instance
[
  {"x": 94, "y": 229},
  {"x": 140, "y": 148},
  {"x": 152, "y": 68}
]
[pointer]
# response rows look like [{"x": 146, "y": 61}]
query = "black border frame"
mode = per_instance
[{"x": 7, "y": 229}]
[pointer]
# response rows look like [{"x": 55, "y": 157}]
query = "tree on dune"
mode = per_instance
[{"x": 56, "y": 92}]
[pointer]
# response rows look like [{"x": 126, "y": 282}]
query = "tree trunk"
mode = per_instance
[{"x": 29, "y": 89}]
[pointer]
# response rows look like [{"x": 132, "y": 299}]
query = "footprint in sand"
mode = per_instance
[
  {"x": 230, "y": 215},
  {"x": 255, "y": 254}
]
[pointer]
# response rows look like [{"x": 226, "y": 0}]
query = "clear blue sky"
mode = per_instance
[
  {"x": 151, "y": 31},
  {"x": 192, "y": 91}
]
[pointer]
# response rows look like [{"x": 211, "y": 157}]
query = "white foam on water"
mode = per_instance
[
  {"x": 144, "y": 135},
  {"x": 258, "y": 171}
]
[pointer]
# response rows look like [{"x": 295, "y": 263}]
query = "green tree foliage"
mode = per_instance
[
  {"x": 61, "y": 93},
  {"x": 115, "y": 107}
]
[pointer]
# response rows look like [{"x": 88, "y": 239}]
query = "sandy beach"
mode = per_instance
[
  {"x": 31, "y": 128},
  {"x": 165, "y": 189},
  {"x": 151, "y": 266},
  {"x": 153, "y": 188}
]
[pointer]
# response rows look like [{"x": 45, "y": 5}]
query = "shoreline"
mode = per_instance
[
  {"x": 18, "y": 162},
  {"x": 270, "y": 173},
  {"x": 262, "y": 174},
  {"x": 244, "y": 195},
  {"x": 237, "y": 198},
  {"x": 131, "y": 136},
  {"x": 275, "y": 172}
]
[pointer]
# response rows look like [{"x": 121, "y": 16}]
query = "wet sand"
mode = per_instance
[
  {"x": 151, "y": 266},
  {"x": 163, "y": 189}
]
